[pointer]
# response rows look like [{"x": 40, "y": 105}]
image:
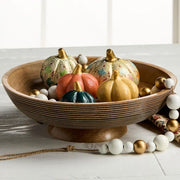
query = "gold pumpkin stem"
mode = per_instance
[
  {"x": 77, "y": 86},
  {"x": 110, "y": 56},
  {"x": 62, "y": 53},
  {"x": 77, "y": 69},
  {"x": 115, "y": 75}
]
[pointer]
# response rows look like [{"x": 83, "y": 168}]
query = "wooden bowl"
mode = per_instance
[{"x": 91, "y": 122}]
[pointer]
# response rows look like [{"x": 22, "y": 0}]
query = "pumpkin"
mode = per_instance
[
  {"x": 56, "y": 66},
  {"x": 87, "y": 81},
  {"x": 77, "y": 95},
  {"x": 103, "y": 68},
  {"x": 117, "y": 89}
]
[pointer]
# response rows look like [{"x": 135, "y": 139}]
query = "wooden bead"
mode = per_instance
[
  {"x": 140, "y": 146},
  {"x": 44, "y": 91},
  {"x": 115, "y": 146},
  {"x": 169, "y": 83},
  {"x": 82, "y": 59},
  {"x": 161, "y": 142},
  {"x": 41, "y": 96},
  {"x": 144, "y": 91},
  {"x": 52, "y": 92},
  {"x": 173, "y": 114},
  {"x": 172, "y": 125},
  {"x": 35, "y": 92},
  {"x": 170, "y": 135},
  {"x": 52, "y": 100},
  {"x": 103, "y": 149},
  {"x": 128, "y": 147},
  {"x": 151, "y": 147},
  {"x": 173, "y": 101},
  {"x": 159, "y": 82}
]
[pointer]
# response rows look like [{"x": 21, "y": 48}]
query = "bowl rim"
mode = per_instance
[{"x": 12, "y": 90}]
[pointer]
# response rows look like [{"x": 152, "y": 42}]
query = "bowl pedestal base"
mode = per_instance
[{"x": 86, "y": 135}]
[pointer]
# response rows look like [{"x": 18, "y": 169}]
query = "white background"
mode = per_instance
[{"x": 47, "y": 23}]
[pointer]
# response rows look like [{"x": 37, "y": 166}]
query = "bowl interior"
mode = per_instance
[{"x": 27, "y": 77}]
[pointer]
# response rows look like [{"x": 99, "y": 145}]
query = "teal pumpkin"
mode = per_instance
[{"x": 77, "y": 95}]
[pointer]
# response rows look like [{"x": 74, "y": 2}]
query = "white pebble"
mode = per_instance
[
  {"x": 44, "y": 91},
  {"x": 173, "y": 101},
  {"x": 115, "y": 146},
  {"x": 41, "y": 96},
  {"x": 32, "y": 95},
  {"x": 52, "y": 92},
  {"x": 52, "y": 100},
  {"x": 169, "y": 83},
  {"x": 151, "y": 147},
  {"x": 173, "y": 114},
  {"x": 82, "y": 59},
  {"x": 161, "y": 142},
  {"x": 103, "y": 149},
  {"x": 128, "y": 147},
  {"x": 169, "y": 135}
]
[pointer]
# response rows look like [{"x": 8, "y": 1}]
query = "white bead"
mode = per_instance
[
  {"x": 103, "y": 149},
  {"x": 169, "y": 83},
  {"x": 128, "y": 147},
  {"x": 44, "y": 91},
  {"x": 173, "y": 101},
  {"x": 82, "y": 59},
  {"x": 151, "y": 146},
  {"x": 41, "y": 96},
  {"x": 173, "y": 114},
  {"x": 32, "y": 95},
  {"x": 115, "y": 146},
  {"x": 52, "y": 92},
  {"x": 169, "y": 135},
  {"x": 52, "y": 100},
  {"x": 161, "y": 142}
]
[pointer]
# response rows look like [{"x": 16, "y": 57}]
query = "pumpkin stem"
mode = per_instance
[
  {"x": 115, "y": 75},
  {"x": 77, "y": 69},
  {"x": 84, "y": 67},
  {"x": 62, "y": 53},
  {"x": 77, "y": 86},
  {"x": 110, "y": 56}
]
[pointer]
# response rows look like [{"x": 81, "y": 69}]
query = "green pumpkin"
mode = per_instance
[
  {"x": 77, "y": 95},
  {"x": 56, "y": 66}
]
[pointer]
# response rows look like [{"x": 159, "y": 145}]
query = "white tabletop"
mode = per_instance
[{"x": 18, "y": 133}]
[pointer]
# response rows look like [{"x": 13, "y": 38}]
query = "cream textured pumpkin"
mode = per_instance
[
  {"x": 117, "y": 89},
  {"x": 56, "y": 66},
  {"x": 103, "y": 68}
]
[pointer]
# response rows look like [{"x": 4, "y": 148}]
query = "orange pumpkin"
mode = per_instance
[{"x": 87, "y": 81}]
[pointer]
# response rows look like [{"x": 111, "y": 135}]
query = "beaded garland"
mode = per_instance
[{"x": 159, "y": 143}]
